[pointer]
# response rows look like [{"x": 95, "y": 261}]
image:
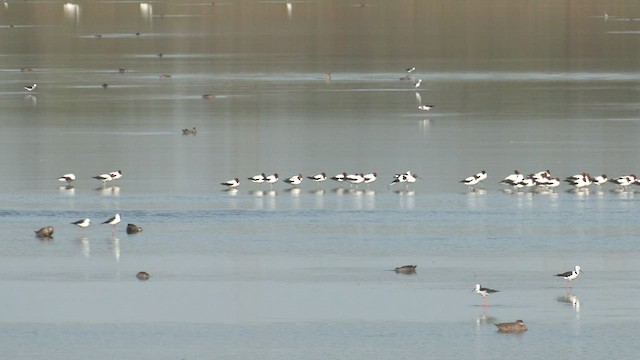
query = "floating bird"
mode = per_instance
[
  {"x": 512, "y": 327},
  {"x": 30, "y": 88},
  {"x": 233, "y": 183},
  {"x": 113, "y": 221},
  {"x": 82, "y": 223},
  {"x": 67, "y": 178},
  {"x": 133, "y": 229},
  {"x": 192, "y": 131},
  {"x": 294, "y": 180},
  {"x": 406, "y": 269},
  {"x": 484, "y": 292},
  {"x": 45, "y": 232},
  {"x": 570, "y": 275},
  {"x": 143, "y": 275},
  {"x": 426, "y": 107}
]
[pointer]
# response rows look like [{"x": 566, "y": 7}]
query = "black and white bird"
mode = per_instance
[
  {"x": 411, "y": 69},
  {"x": 258, "y": 178},
  {"x": 84, "y": 223},
  {"x": 370, "y": 177},
  {"x": 318, "y": 177},
  {"x": 104, "y": 178},
  {"x": 355, "y": 179},
  {"x": 426, "y": 107},
  {"x": 484, "y": 292},
  {"x": 271, "y": 179},
  {"x": 417, "y": 83},
  {"x": 115, "y": 175},
  {"x": 113, "y": 221},
  {"x": 294, "y": 180},
  {"x": 233, "y": 183},
  {"x": 340, "y": 177},
  {"x": 474, "y": 180},
  {"x": 67, "y": 178},
  {"x": 570, "y": 275},
  {"x": 30, "y": 88}
]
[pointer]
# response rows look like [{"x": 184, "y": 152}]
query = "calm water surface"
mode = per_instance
[{"x": 282, "y": 273}]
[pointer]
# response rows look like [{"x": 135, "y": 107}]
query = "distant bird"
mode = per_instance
[
  {"x": 113, "y": 221},
  {"x": 370, "y": 177},
  {"x": 84, "y": 223},
  {"x": 340, "y": 177},
  {"x": 271, "y": 179},
  {"x": 115, "y": 175},
  {"x": 45, "y": 232},
  {"x": 133, "y": 229},
  {"x": 258, "y": 179},
  {"x": 512, "y": 327},
  {"x": 103, "y": 177},
  {"x": 318, "y": 177},
  {"x": 406, "y": 269},
  {"x": 105, "y": 85},
  {"x": 143, "y": 275},
  {"x": 355, "y": 179},
  {"x": 417, "y": 83},
  {"x": 474, "y": 180},
  {"x": 600, "y": 179},
  {"x": 67, "y": 178},
  {"x": 30, "y": 88},
  {"x": 411, "y": 69},
  {"x": 192, "y": 131},
  {"x": 406, "y": 178},
  {"x": 484, "y": 292},
  {"x": 570, "y": 275},
  {"x": 513, "y": 179},
  {"x": 426, "y": 107},
  {"x": 294, "y": 180},
  {"x": 208, "y": 96},
  {"x": 233, "y": 183}
]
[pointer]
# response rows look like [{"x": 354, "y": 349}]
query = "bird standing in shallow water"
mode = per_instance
[
  {"x": 84, "y": 223},
  {"x": 484, "y": 292},
  {"x": 115, "y": 220},
  {"x": 30, "y": 88},
  {"x": 570, "y": 275}
]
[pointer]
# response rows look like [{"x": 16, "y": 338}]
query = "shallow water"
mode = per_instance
[{"x": 275, "y": 273}]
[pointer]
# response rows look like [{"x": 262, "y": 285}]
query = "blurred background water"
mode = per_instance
[{"x": 309, "y": 87}]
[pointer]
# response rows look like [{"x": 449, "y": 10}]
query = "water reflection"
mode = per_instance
[
  {"x": 113, "y": 190},
  {"x": 67, "y": 190},
  {"x": 71, "y": 12},
  {"x": 115, "y": 243},
  {"x": 85, "y": 246},
  {"x": 146, "y": 11}
]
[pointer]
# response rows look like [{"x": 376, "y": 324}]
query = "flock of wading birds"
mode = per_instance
[
  {"x": 542, "y": 180},
  {"x": 509, "y": 327}
]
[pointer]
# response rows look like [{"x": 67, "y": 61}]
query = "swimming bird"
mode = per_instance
[
  {"x": 294, "y": 180},
  {"x": 82, "y": 223},
  {"x": 67, "y": 178},
  {"x": 233, "y": 183},
  {"x": 30, "y": 88},
  {"x": 512, "y": 327},
  {"x": 133, "y": 229},
  {"x": 484, "y": 292},
  {"x": 113, "y": 221},
  {"x": 143, "y": 275},
  {"x": 426, "y": 107},
  {"x": 570, "y": 275},
  {"x": 192, "y": 131},
  {"x": 406, "y": 269},
  {"x": 45, "y": 232}
]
